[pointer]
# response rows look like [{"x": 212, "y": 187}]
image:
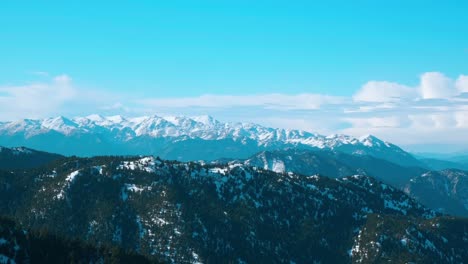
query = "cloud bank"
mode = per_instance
[
  {"x": 35, "y": 100},
  {"x": 432, "y": 112}
]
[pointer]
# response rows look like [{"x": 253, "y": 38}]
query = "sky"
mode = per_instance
[{"x": 396, "y": 69}]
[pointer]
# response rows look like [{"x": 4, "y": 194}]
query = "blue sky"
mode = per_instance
[
  {"x": 175, "y": 48},
  {"x": 147, "y": 56}
]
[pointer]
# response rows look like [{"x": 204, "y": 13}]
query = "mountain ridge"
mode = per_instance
[
  {"x": 332, "y": 164},
  {"x": 444, "y": 190},
  {"x": 190, "y": 212},
  {"x": 24, "y": 158},
  {"x": 176, "y": 137}
]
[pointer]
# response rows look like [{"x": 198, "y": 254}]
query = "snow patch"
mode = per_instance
[
  {"x": 278, "y": 166},
  {"x": 99, "y": 169},
  {"x": 72, "y": 176},
  {"x": 147, "y": 164},
  {"x": 222, "y": 171},
  {"x": 68, "y": 182},
  {"x": 404, "y": 241}
]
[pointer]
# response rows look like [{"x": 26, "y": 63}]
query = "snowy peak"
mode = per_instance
[
  {"x": 60, "y": 124},
  {"x": 202, "y": 127},
  {"x": 116, "y": 119},
  {"x": 23, "y": 124},
  {"x": 181, "y": 138},
  {"x": 206, "y": 120},
  {"x": 340, "y": 139},
  {"x": 371, "y": 141},
  {"x": 181, "y": 121},
  {"x": 95, "y": 118},
  {"x": 154, "y": 126}
]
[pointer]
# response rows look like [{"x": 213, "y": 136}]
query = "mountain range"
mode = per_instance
[
  {"x": 196, "y": 190},
  {"x": 181, "y": 138},
  {"x": 444, "y": 191},
  {"x": 192, "y": 212},
  {"x": 333, "y": 164}
]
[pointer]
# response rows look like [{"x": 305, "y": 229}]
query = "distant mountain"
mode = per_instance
[
  {"x": 461, "y": 158},
  {"x": 18, "y": 245},
  {"x": 24, "y": 158},
  {"x": 439, "y": 164},
  {"x": 332, "y": 164},
  {"x": 194, "y": 212},
  {"x": 446, "y": 191},
  {"x": 181, "y": 138}
]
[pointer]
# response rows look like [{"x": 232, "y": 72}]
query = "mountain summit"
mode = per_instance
[{"x": 180, "y": 137}]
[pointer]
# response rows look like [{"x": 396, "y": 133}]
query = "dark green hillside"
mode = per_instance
[
  {"x": 386, "y": 238},
  {"x": 190, "y": 212},
  {"x": 24, "y": 158},
  {"x": 30, "y": 246}
]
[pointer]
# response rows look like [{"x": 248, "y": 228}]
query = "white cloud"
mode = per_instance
[
  {"x": 432, "y": 111},
  {"x": 376, "y": 122},
  {"x": 57, "y": 96},
  {"x": 432, "y": 121},
  {"x": 383, "y": 91},
  {"x": 62, "y": 79},
  {"x": 35, "y": 100},
  {"x": 433, "y": 85},
  {"x": 436, "y": 85},
  {"x": 461, "y": 119},
  {"x": 40, "y": 73},
  {"x": 265, "y": 101},
  {"x": 462, "y": 84}
]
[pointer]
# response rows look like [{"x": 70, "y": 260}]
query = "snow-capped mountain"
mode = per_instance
[{"x": 179, "y": 137}]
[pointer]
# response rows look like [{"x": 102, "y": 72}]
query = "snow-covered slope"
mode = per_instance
[
  {"x": 203, "y": 127},
  {"x": 178, "y": 136}
]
